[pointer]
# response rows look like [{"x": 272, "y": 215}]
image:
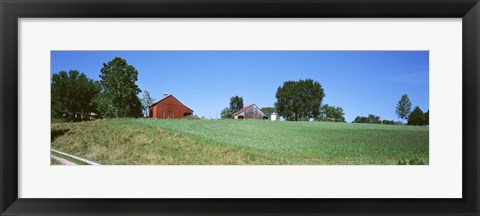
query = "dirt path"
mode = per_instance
[
  {"x": 75, "y": 157},
  {"x": 62, "y": 161}
]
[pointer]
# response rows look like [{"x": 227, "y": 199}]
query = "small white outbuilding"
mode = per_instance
[{"x": 273, "y": 116}]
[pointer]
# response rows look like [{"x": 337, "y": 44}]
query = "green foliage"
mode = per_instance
[
  {"x": 427, "y": 120},
  {"x": 55, "y": 162},
  {"x": 388, "y": 122},
  {"x": 72, "y": 95},
  {"x": 402, "y": 162},
  {"x": 236, "y": 104},
  {"x": 417, "y": 117},
  {"x": 360, "y": 119},
  {"x": 416, "y": 161},
  {"x": 371, "y": 119},
  {"x": 299, "y": 100},
  {"x": 147, "y": 101},
  {"x": 413, "y": 161},
  {"x": 404, "y": 107},
  {"x": 226, "y": 113},
  {"x": 57, "y": 110},
  {"x": 104, "y": 106},
  {"x": 118, "y": 90},
  {"x": 268, "y": 110},
  {"x": 331, "y": 112},
  {"x": 374, "y": 119}
]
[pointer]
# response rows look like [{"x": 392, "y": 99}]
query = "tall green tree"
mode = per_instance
[
  {"x": 226, "y": 113},
  {"x": 236, "y": 104},
  {"x": 299, "y": 100},
  {"x": 72, "y": 95},
  {"x": 332, "y": 112},
  {"x": 404, "y": 107},
  {"x": 417, "y": 117},
  {"x": 147, "y": 101},
  {"x": 118, "y": 90}
]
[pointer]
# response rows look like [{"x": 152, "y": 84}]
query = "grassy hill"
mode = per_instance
[{"x": 139, "y": 141}]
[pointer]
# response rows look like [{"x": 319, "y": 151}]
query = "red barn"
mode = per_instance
[{"x": 169, "y": 107}]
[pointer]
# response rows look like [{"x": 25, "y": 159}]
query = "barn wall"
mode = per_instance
[
  {"x": 169, "y": 108},
  {"x": 253, "y": 113}
]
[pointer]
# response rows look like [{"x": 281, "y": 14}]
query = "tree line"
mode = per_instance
[
  {"x": 403, "y": 109},
  {"x": 296, "y": 100},
  {"x": 302, "y": 100},
  {"x": 74, "y": 96},
  {"x": 415, "y": 117}
]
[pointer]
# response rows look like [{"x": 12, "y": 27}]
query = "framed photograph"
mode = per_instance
[{"x": 239, "y": 108}]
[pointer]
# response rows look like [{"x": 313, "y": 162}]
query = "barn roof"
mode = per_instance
[
  {"x": 168, "y": 97},
  {"x": 246, "y": 108}
]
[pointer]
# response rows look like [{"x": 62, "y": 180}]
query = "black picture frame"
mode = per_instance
[{"x": 11, "y": 11}]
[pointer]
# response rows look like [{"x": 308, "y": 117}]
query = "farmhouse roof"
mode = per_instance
[
  {"x": 244, "y": 109},
  {"x": 173, "y": 98}
]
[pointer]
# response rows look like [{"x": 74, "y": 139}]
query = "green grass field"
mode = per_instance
[
  {"x": 54, "y": 162},
  {"x": 139, "y": 141}
]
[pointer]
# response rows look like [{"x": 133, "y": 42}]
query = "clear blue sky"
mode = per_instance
[{"x": 361, "y": 82}]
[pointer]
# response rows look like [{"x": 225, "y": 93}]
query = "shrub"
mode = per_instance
[
  {"x": 416, "y": 161},
  {"x": 389, "y": 122},
  {"x": 412, "y": 161},
  {"x": 371, "y": 119}
]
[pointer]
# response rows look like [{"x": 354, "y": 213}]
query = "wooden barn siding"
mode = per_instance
[
  {"x": 169, "y": 108},
  {"x": 253, "y": 113}
]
